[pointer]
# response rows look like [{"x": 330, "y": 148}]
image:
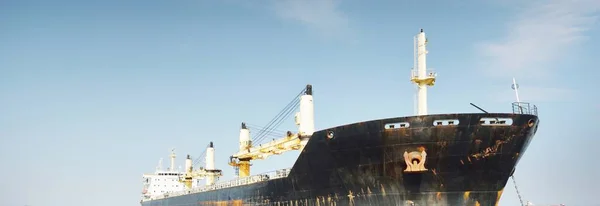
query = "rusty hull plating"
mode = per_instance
[{"x": 448, "y": 159}]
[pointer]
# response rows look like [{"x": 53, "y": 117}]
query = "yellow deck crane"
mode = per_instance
[
  {"x": 306, "y": 127},
  {"x": 209, "y": 172}
]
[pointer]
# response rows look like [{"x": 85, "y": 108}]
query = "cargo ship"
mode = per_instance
[{"x": 425, "y": 159}]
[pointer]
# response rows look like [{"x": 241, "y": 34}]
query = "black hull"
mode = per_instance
[{"x": 363, "y": 164}]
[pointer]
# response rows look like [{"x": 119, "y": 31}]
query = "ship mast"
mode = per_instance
[
  {"x": 306, "y": 127},
  {"x": 245, "y": 144},
  {"x": 210, "y": 165},
  {"x": 172, "y": 168},
  {"x": 420, "y": 75},
  {"x": 209, "y": 172}
]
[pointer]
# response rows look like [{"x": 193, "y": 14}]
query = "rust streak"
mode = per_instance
[{"x": 489, "y": 151}]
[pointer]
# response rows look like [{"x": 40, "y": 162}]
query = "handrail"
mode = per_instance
[
  {"x": 414, "y": 74},
  {"x": 281, "y": 173},
  {"x": 524, "y": 108}
]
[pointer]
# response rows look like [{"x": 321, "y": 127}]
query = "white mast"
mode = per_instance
[
  {"x": 305, "y": 119},
  {"x": 210, "y": 164},
  {"x": 172, "y": 168},
  {"x": 421, "y": 77},
  {"x": 188, "y": 164},
  {"x": 245, "y": 141},
  {"x": 415, "y": 102}
]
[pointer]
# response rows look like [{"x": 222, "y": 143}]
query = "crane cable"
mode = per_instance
[
  {"x": 274, "y": 132},
  {"x": 279, "y": 122},
  {"x": 199, "y": 159},
  {"x": 276, "y": 123},
  {"x": 284, "y": 112}
]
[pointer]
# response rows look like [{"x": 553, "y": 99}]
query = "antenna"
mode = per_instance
[
  {"x": 159, "y": 166},
  {"x": 515, "y": 87},
  {"x": 478, "y": 108}
]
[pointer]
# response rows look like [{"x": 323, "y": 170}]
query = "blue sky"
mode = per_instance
[{"x": 93, "y": 93}]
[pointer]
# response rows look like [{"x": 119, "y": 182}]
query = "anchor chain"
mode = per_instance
[{"x": 517, "y": 189}]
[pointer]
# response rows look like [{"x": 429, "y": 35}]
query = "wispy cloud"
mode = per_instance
[
  {"x": 536, "y": 94},
  {"x": 324, "y": 16},
  {"x": 542, "y": 32}
]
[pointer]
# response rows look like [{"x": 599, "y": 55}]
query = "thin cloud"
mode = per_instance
[
  {"x": 540, "y": 34},
  {"x": 323, "y": 16},
  {"x": 535, "y": 94}
]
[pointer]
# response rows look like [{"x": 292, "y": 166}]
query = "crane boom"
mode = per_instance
[
  {"x": 306, "y": 127},
  {"x": 275, "y": 147},
  {"x": 209, "y": 172}
]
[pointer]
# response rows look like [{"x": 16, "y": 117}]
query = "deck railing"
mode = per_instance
[
  {"x": 231, "y": 183},
  {"x": 524, "y": 108},
  {"x": 414, "y": 74}
]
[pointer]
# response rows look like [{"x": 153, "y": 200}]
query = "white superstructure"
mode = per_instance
[
  {"x": 170, "y": 182},
  {"x": 162, "y": 181}
]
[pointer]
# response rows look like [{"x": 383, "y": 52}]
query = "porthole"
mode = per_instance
[
  {"x": 330, "y": 135},
  {"x": 530, "y": 123}
]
